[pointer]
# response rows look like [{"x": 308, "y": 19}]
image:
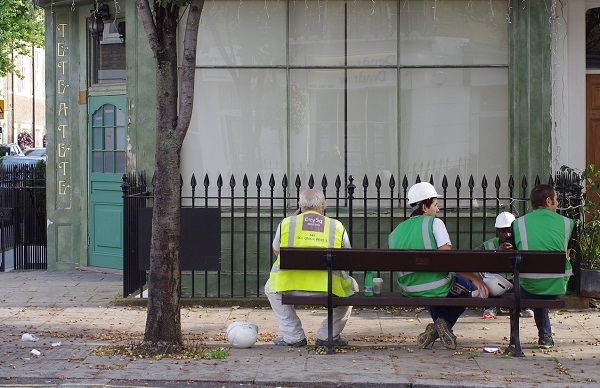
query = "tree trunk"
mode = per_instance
[{"x": 163, "y": 322}]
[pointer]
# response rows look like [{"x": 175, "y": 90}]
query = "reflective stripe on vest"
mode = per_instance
[
  {"x": 523, "y": 232},
  {"x": 428, "y": 241},
  {"x": 544, "y": 283},
  {"x": 425, "y": 286},
  {"x": 425, "y": 233},
  {"x": 489, "y": 245}
]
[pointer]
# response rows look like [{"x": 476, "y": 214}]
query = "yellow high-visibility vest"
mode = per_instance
[{"x": 309, "y": 230}]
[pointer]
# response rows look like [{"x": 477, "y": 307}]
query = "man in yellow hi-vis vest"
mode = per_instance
[{"x": 309, "y": 228}]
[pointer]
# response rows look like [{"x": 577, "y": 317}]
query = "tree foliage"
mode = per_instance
[
  {"x": 21, "y": 26},
  {"x": 174, "y": 105}
]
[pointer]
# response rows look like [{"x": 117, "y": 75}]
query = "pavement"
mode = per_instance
[{"x": 77, "y": 314}]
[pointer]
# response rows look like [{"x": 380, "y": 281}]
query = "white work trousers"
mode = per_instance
[{"x": 290, "y": 325}]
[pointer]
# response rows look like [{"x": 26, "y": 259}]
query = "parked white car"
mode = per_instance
[{"x": 11, "y": 149}]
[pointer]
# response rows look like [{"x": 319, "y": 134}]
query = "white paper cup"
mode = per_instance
[{"x": 377, "y": 285}]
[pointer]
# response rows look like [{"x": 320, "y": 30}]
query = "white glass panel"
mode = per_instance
[
  {"x": 454, "y": 122},
  {"x": 97, "y": 118},
  {"x": 121, "y": 141},
  {"x": 238, "y": 125},
  {"x": 317, "y": 33},
  {"x": 120, "y": 162},
  {"x": 317, "y": 124},
  {"x": 242, "y": 33},
  {"x": 109, "y": 138},
  {"x": 109, "y": 162},
  {"x": 372, "y": 125},
  {"x": 97, "y": 164},
  {"x": 372, "y": 33},
  {"x": 98, "y": 143},
  {"x": 473, "y": 32},
  {"x": 109, "y": 114}
]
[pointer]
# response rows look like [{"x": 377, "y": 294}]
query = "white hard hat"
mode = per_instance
[
  {"x": 497, "y": 284},
  {"x": 420, "y": 192},
  {"x": 242, "y": 334},
  {"x": 504, "y": 220}
]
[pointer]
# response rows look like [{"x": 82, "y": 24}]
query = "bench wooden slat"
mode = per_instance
[
  {"x": 359, "y": 259},
  {"x": 396, "y": 299},
  {"x": 516, "y": 262}
]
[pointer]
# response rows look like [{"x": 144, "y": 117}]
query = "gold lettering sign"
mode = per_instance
[
  {"x": 63, "y": 100},
  {"x": 62, "y": 150},
  {"x": 61, "y": 65},
  {"x": 62, "y": 128},
  {"x": 62, "y": 187},
  {"x": 62, "y": 108},
  {"x": 63, "y": 167},
  {"x": 60, "y": 49},
  {"x": 61, "y": 27},
  {"x": 60, "y": 87}
]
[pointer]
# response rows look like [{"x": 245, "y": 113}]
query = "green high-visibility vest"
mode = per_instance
[
  {"x": 417, "y": 233},
  {"x": 544, "y": 230},
  {"x": 492, "y": 244},
  {"x": 309, "y": 230}
]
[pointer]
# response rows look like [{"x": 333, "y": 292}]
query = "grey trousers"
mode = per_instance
[{"x": 290, "y": 325}]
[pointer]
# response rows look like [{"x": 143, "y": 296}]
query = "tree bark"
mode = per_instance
[{"x": 163, "y": 321}]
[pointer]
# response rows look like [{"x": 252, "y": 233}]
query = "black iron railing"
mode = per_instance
[
  {"x": 370, "y": 211},
  {"x": 23, "y": 217}
]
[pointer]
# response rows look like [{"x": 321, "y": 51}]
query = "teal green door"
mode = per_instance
[{"x": 106, "y": 150}]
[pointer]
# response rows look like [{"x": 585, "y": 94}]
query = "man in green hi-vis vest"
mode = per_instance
[
  {"x": 424, "y": 231},
  {"x": 501, "y": 242},
  {"x": 308, "y": 228},
  {"x": 544, "y": 230}
]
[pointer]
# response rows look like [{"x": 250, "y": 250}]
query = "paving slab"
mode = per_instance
[{"x": 78, "y": 309}]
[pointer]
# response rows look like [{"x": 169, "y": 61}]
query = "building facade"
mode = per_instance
[
  {"x": 24, "y": 99},
  {"x": 388, "y": 88}
]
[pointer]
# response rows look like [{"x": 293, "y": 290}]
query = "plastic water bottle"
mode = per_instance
[{"x": 368, "y": 283}]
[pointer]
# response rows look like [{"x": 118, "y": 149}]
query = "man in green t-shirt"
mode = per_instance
[{"x": 544, "y": 230}]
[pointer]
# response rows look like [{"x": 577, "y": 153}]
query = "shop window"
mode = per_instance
[{"x": 108, "y": 60}]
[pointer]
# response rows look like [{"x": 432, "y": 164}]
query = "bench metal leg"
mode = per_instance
[
  {"x": 515, "y": 341},
  {"x": 329, "y": 263},
  {"x": 514, "y": 349}
]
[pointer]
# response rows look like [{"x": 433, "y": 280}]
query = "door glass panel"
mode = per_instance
[
  {"x": 109, "y": 115},
  {"x": 109, "y": 140},
  {"x": 120, "y": 162},
  {"x": 97, "y": 119},
  {"x": 108, "y": 134},
  {"x": 109, "y": 163},
  {"x": 97, "y": 161},
  {"x": 120, "y": 138},
  {"x": 97, "y": 141},
  {"x": 120, "y": 117}
]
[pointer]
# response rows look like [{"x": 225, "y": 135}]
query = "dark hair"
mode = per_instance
[
  {"x": 539, "y": 194},
  {"x": 419, "y": 211}
]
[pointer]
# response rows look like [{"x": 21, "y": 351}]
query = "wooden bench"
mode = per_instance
[{"x": 385, "y": 260}]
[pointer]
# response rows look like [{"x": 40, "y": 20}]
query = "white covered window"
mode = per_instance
[{"x": 351, "y": 88}]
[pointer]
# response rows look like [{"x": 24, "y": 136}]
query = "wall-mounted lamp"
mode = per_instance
[
  {"x": 96, "y": 20},
  {"x": 121, "y": 31}
]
